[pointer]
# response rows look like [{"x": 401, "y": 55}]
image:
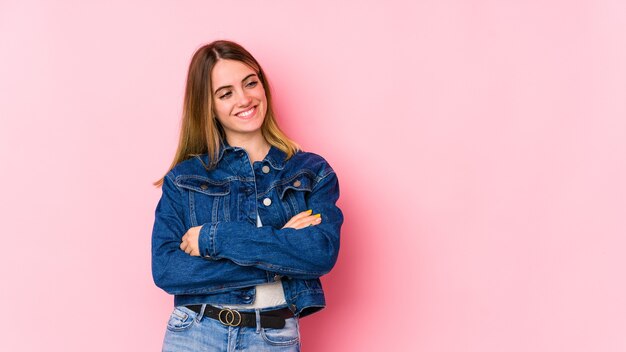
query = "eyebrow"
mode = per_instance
[{"x": 230, "y": 86}]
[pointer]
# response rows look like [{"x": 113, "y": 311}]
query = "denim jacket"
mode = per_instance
[{"x": 235, "y": 254}]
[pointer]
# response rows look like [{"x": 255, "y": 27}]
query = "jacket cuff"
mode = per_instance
[{"x": 206, "y": 240}]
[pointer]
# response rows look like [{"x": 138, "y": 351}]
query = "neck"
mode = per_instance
[{"x": 255, "y": 145}]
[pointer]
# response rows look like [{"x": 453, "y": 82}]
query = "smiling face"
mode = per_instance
[{"x": 239, "y": 100}]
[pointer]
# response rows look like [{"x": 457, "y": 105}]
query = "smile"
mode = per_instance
[{"x": 246, "y": 113}]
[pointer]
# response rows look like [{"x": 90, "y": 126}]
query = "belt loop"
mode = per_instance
[
  {"x": 258, "y": 320},
  {"x": 201, "y": 314}
]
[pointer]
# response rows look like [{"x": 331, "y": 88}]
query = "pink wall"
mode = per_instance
[{"x": 480, "y": 147}]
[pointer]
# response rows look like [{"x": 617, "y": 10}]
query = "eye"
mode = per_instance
[
  {"x": 252, "y": 84},
  {"x": 226, "y": 95}
]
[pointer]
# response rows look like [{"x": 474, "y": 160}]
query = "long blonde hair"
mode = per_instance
[{"x": 201, "y": 132}]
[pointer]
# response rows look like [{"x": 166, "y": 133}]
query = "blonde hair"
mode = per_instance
[{"x": 201, "y": 132}]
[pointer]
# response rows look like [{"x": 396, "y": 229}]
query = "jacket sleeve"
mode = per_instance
[
  {"x": 304, "y": 254},
  {"x": 175, "y": 271}
]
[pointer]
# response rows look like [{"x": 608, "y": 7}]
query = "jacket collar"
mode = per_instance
[{"x": 275, "y": 156}]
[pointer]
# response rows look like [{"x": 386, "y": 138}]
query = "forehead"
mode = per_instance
[{"x": 229, "y": 72}]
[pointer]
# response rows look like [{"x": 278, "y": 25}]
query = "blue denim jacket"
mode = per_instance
[{"x": 235, "y": 254}]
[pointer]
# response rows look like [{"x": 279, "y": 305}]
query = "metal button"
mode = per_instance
[
  {"x": 204, "y": 186},
  {"x": 297, "y": 183},
  {"x": 277, "y": 277},
  {"x": 267, "y": 202},
  {"x": 265, "y": 169}
]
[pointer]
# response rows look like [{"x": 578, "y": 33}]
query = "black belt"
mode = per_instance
[{"x": 270, "y": 319}]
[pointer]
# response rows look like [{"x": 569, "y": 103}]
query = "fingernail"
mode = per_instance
[
  {"x": 309, "y": 211},
  {"x": 317, "y": 215}
]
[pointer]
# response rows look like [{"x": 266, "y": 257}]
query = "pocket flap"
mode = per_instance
[
  {"x": 203, "y": 185},
  {"x": 302, "y": 182}
]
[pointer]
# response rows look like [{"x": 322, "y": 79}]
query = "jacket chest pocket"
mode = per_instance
[
  {"x": 295, "y": 193},
  {"x": 209, "y": 201}
]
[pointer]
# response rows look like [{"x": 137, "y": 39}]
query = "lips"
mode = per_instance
[{"x": 247, "y": 114}]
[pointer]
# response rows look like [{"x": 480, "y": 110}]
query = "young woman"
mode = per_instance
[{"x": 247, "y": 222}]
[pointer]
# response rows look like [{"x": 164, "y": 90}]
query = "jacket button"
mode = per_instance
[
  {"x": 265, "y": 169},
  {"x": 204, "y": 186},
  {"x": 297, "y": 183},
  {"x": 267, "y": 202}
]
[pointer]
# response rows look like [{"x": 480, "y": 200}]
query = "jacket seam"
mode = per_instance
[
  {"x": 322, "y": 177},
  {"x": 278, "y": 267},
  {"x": 212, "y": 233},
  {"x": 218, "y": 288},
  {"x": 311, "y": 291}
]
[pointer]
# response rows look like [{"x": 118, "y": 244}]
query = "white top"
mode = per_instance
[{"x": 267, "y": 295}]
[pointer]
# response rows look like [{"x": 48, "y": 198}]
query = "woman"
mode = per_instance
[{"x": 247, "y": 222}]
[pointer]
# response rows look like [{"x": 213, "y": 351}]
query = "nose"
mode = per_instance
[{"x": 244, "y": 99}]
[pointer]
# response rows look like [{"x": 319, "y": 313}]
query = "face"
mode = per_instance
[{"x": 239, "y": 100}]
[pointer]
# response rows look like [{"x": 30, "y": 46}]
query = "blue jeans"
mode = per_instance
[{"x": 188, "y": 331}]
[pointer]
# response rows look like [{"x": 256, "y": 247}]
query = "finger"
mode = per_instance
[
  {"x": 297, "y": 217},
  {"x": 301, "y": 215},
  {"x": 315, "y": 221},
  {"x": 288, "y": 224},
  {"x": 295, "y": 224},
  {"x": 308, "y": 221},
  {"x": 183, "y": 245}
]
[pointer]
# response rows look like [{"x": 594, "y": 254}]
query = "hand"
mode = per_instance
[
  {"x": 304, "y": 219},
  {"x": 190, "y": 241}
]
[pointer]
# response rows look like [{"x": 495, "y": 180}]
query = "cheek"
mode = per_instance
[
  {"x": 221, "y": 110},
  {"x": 263, "y": 98},
  {"x": 263, "y": 106}
]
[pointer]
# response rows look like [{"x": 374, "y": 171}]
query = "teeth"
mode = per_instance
[{"x": 245, "y": 113}]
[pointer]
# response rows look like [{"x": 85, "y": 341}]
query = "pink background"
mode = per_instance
[{"x": 480, "y": 147}]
